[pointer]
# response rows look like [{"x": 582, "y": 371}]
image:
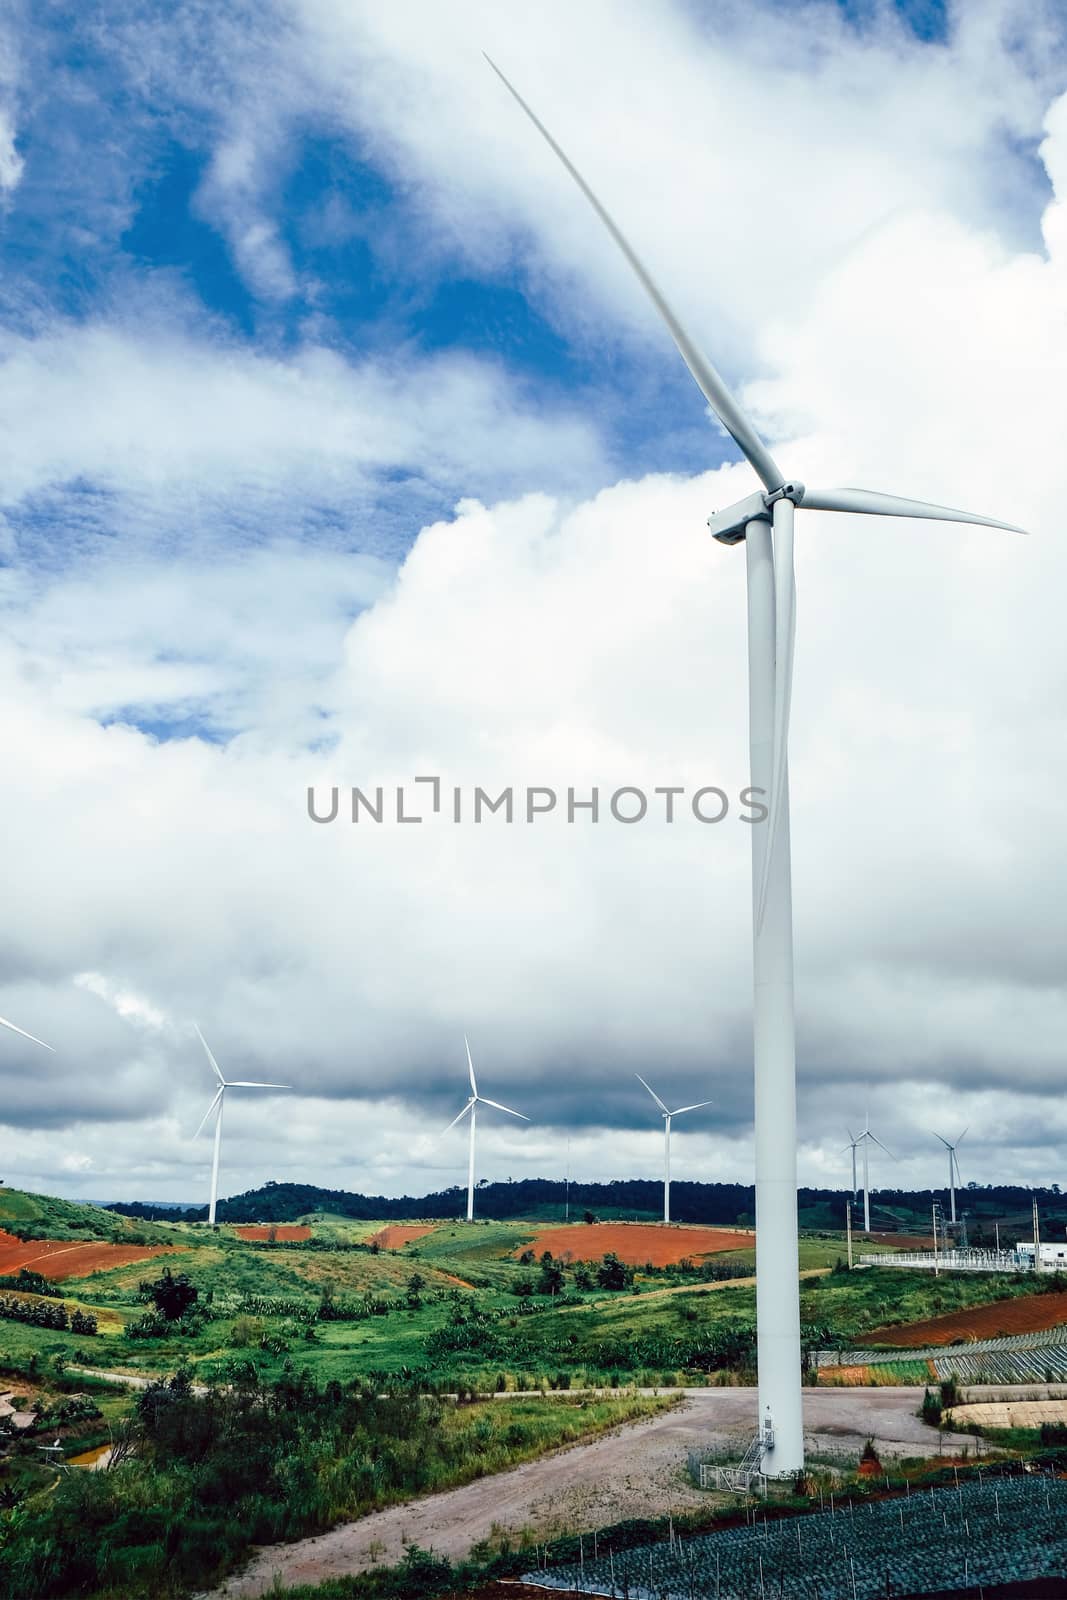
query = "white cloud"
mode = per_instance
[{"x": 917, "y": 344}]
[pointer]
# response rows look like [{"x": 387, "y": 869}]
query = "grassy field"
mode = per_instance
[{"x": 463, "y": 1306}]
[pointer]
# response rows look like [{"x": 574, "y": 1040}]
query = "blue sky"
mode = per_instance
[{"x": 336, "y": 444}]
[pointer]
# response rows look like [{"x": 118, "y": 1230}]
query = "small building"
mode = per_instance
[{"x": 1052, "y": 1255}]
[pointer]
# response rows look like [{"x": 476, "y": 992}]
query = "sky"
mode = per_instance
[{"x": 340, "y": 448}]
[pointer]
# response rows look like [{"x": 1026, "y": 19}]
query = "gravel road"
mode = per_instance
[{"x": 636, "y": 1471}]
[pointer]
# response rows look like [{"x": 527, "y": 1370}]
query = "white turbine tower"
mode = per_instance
[
  {"x": 953, "y": 1171},
  {"x": 771, "y": 614},
  {"x": 5, "y": 1024},
  {"x": 866, "y": 1139},
  {"x": 667, "y": 1115},
  {"x": 853, "y": 1142},
  {"x": 219, "y": 1101},
  {"x": 471, "y": 1109}
]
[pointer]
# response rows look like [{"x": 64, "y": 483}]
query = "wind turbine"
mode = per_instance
[
  {"x": 219, "y": 1101},
  {"x": 667, "y": 1115},
  {"x": 472, "y": 1105},
  {"x": 771, "y": 625},
  {"x": 953, "y": 1171},
  {"x": 866, "y": 1139},
  {"x": 5, "y": 1024},
  {"x": 852, "y": 1143}
]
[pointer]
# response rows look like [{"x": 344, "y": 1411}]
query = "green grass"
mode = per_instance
[{"x": 42, "y": 1216}]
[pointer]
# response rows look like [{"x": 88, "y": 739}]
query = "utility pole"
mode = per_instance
[
  {"x": 848, "y": 1227},
  {"x": 996, "y": 1230},
  {"x": 937, "y": 1269},
  {"x": 567, "y": 1210},
  {"x": 1037, "y": 1239}
]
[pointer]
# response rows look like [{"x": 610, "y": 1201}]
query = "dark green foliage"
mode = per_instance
[
  {"x": 930, "y": 1410},
  {"x": 613, "y": 1273},
  {"x": 172, "y": 1295},
  {"x": 42, "y": 1313}
]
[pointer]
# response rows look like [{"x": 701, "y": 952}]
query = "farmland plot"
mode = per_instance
[{"x": 984, "y": 1532}]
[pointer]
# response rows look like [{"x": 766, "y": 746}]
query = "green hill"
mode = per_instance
[{"x": 44, "y": 1216}]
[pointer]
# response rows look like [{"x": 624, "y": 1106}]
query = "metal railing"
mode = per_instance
[{"x": 953, "y": 1260}]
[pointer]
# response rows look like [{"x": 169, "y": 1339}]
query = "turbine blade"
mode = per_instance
[
  {"x": 870, "y": 502},
  {"x": 238, "y": 1083},
  {"x": 470, "y": 1069},
  {"x": 698, "y": 1107},
  {"x": 785, "y": 632},
  {"x": 498, "y": 1107},
  {"x": 851, "y": 1137},
  {"x": 30, "y": 1036},
  {"x": 457, "y": 1118},
  {"x": 881, "y": 1146},
  {"x": 963, "y": 1135},
  {"x": 210, "y": 1057},
  {"x": 944, "y": 1141},
  {"x": 707, "y": 378},
  {"x": 653, "y": 1093},
  {"x": 210, "y": 1109}
]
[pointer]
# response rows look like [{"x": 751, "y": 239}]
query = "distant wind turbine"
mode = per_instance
[
  {"x": 219, "y": 1100},
  {"x": 5, "y": 1024},
  {"x": 471, "y": 1108},
  {"x": 763, "y": 522},
  {"x": 852, "y": 1143},
  {"x": 866, "y": 1139},
  {"x": 667, "y": 1115},
  {"x": 953, "y": 1170}
]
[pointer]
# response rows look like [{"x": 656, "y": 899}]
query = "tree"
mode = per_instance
[
  {"x": 613, "y": 1273},
  {"x": 172, "y": 1296}
]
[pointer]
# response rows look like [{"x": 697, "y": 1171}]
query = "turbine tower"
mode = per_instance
[
  {"x": 771, "y": 621},
  {"x": 667, "y": 1115},
  {"x": 866, "y": 1139},
  {"x": 953, "y": 1172},
  {"x": 5, "y": 1024},
  {"x": 219, "y": 1101},
  {"x": 852, "y": 1143},
  {"x": 471, "y": 1108}
]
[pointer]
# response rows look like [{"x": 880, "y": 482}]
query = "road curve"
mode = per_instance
[{"x": 638, "y": 1470}]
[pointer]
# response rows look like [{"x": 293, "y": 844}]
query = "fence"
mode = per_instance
[{"x": 953, "y": 1260}]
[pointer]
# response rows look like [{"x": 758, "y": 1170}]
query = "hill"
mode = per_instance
[
  {"x": 43, "y": 1216},
  {"x": 545, "y": 1199}
]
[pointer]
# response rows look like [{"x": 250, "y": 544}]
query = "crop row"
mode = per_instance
[{"x": 983, "y": 1532}]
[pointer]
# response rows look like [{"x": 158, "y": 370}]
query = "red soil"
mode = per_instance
[
  {"x": 1029, "y": 1313},
  {"x": 59, "y": 1258},
  {"x": 398, "y": 1234},
  {"x": 637, "y": 1242},
  {"x": 285, "y": 1232}
]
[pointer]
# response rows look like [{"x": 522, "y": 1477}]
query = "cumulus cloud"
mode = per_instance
[{"x": 912, "y": 338}]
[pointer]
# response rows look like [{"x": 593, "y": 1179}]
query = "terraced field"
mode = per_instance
[
  {"x": 1035, "y": 1313},
  {"x": 1020, "y": 1358}
]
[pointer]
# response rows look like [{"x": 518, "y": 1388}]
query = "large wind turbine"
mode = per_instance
[
  {"x": 219, "y": 1101},
  {"x": 33, "y": 1040},
  {"x": 953, "y": 1171},
  {"x": 667, "y": 1115},
  {"x": 771, "y": 620},
  {"x": 866, "y": 1139},
  {"x": 852, "y": 1144},
  {"x": 471, "y": 1108}
]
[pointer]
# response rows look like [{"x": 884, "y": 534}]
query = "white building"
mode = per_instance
[{"x": 1053, "y": 1256}]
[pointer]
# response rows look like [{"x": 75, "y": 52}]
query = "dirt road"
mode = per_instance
[{"x": 638, "y": 1471}]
